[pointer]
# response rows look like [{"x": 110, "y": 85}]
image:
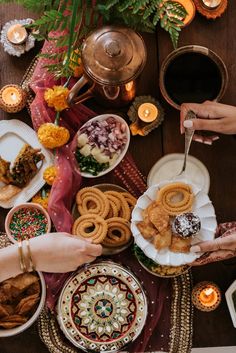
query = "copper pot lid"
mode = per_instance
[{"x": 113, "y": 55}]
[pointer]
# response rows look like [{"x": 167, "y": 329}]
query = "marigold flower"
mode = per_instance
[
  {"x": 49, "y": 174},
  {"x": 42, "y": 200},
  {"x": 52, "y": 136},
  {"x": 56, "y": 97}
]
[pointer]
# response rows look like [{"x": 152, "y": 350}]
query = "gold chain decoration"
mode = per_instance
[
  {"x": 181, "y": 331},
  {"x": 50, "y": 334}
]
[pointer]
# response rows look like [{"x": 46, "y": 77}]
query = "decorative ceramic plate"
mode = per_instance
[
  {"x": 13, "y": 135},
  {"x": 230, "y": 295},
  {"x": 156, "y": 269},
  {"x": 202, "y": 206},
  {"x": 101, "y": 118},
  {"x": 102, "y": 308},
  {"x": 170, "y": 165},
  {"x": 105, "y": 250}
]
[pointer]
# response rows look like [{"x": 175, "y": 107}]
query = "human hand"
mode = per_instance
[
  {"x": 62, "y": 252},
  {"x": 218, "y": 249},
  {"x": 212, "y": 116}
]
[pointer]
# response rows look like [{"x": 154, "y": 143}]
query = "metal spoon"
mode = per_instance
[{"x": 189, "y": 132}]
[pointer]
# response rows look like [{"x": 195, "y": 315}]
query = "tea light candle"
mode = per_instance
[
  {"x": 17, "y": 34},
  {"x": 206, "y": 296},
  {"x": 12, "y": 98},
  {"x": 211, "y": 4},
  {"x": 147, "y": 112}
]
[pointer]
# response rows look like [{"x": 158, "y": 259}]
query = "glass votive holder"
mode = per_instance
[{"x": 206, "y": 296}]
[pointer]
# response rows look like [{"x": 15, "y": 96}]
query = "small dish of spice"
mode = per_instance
[{"x": 27, "y": 221}]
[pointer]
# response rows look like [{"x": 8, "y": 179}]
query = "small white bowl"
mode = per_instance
[
  {"x": 121, "y": 156},
  {"x": 230, "y": 302},
  {"x": 16, "y": 208},
  {"x": 16, "y": 330}
]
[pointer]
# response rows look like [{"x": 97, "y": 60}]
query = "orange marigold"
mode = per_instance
[
  {"x": 41, "y": 200},
  {"x": 56, "y": 97},
  {"x": 49, "y": 174},
  {"x": 52, "y": 136}
]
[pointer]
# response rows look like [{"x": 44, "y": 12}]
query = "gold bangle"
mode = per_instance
[
  {"x": 21, "y": 257},
  {"x": 31, "y": 264}
]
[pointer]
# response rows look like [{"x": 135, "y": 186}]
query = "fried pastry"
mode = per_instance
[
  {"x": 8, "y": 191},
  {"x": 147, "y": 229},
  {"x": 5, "y": 176},
  {"x": 159, "y": 217},
  {"x": 179, "y": 244},
  {"x": 163, "y": 240}
]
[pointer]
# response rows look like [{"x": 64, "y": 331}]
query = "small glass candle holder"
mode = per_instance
[
  {"x": 12, "y": 98},
  {"x": 211, "y": 4},
  {"x": 206, "y": 296},
  {"x": 17, "y": 34}
]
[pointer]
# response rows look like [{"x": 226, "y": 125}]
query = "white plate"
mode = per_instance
[
  {"x": 121, "y": 156},
  {"x": 202, "y": 206},
  {"x": 13, "y": 135},
  {"x": 230, "y": 303},
  {"x": 170, "y": 165}
]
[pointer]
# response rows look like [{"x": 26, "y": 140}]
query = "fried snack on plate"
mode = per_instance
[
  {"x": 92, "y": 200},
  {"x": 118, "y": 232},
  {"x": 8, "y": 191},
  {"x": 90, "y": 226},
  {"x": 176, "y": 198},
  {"x": 163, "y": 240},
  {"x": 147, "y": 229},
  {"x": 159, "y": 217},
  {"x": 18, "y": 299},
  {"x": 179, "y": 244},
  {"x": 124, "y": 211}
]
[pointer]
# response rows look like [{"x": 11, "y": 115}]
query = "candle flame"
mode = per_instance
[
  {"x": 208, "y": 291},
  {"x": 146, "y": 112}
]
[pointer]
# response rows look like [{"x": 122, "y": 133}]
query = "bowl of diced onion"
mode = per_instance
[{"x": 102, "y": 143}]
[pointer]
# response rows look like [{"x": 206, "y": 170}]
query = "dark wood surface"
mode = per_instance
[{"x": 210, "y": 329}]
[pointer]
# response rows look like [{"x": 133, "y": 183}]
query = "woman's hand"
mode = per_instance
[
  {"x": 218, "y": 249},
  {"x": 212, "y": 116},
  {"x": 62, "y": 252}
]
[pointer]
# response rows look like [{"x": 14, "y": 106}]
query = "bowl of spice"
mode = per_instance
[{"x": 27, "y": 220}]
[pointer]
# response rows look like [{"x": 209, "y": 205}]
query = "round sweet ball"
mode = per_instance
[{"x": 186, "y": 225}]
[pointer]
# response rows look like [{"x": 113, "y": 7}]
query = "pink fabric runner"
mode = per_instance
[{"x": 61, "y": 200}]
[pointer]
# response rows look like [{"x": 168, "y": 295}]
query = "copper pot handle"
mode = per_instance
[{"x": 72, "y": 99}]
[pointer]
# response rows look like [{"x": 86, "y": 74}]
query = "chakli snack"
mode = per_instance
[
  {"x": 90, "y": 226},
  {"x": 98, "y": 208},
  {"x": 118, "y": 233},
  {"x": 168, "y": 197},
  {"x": 92, "y": 200}
]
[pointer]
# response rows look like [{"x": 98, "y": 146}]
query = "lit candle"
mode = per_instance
[
  {"x": 206, "y": 296},
  {"x": 17, "y": 34},
  {"x": 147, "y": 112},
  {"x": 211, "y": 4},
  {"x": 12, "y": 98}
]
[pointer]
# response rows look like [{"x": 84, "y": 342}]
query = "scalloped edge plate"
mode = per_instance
[
  {"x": 230, "y": 303},
  {"x": 18, "y": 133},
  {"x": 119, "y": 159},
  {"x": 201, "y": 206}
]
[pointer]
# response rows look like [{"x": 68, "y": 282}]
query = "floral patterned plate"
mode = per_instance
[{"x": 102, "y": 308}]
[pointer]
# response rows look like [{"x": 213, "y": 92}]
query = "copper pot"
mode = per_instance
[{"x": 112, "y": 58}]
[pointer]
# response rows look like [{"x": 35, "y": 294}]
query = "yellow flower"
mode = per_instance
[
  {"x": 43, "y": 201},
  {"x": 49, "y": 174},
  {"x": 56, "y": 97},
  {"x": 52, "y": 136}
]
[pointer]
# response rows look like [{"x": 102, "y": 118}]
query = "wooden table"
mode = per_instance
[{"x": 210, "y": 329}]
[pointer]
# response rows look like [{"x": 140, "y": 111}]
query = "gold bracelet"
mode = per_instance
[
  {"x": 31, "y": 264},
  {"x": 21, "y": 257}
]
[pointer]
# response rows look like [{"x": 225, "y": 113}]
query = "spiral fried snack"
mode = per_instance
[
  {"x": 176, "y": 198},
  {"x": 92, "y": 200},
  {"x": 115, "y": 206},
  {"x": 90, "y": 226},
  {"x": 130, "y": 199},
  {"x": 118, "y": 233},
  {"x": 124, "y": 211}
]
